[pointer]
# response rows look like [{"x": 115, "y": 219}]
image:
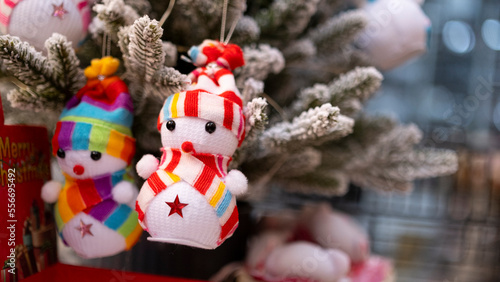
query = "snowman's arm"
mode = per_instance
[
  {"x": 147, "y": 166},
  {"x": 51, "y": 191},
  {"x": 125, "y": 192},
  {"x": 236, "y": 182}
]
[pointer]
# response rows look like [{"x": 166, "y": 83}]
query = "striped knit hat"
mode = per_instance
[
  {"x": 224, "y": 109},
  {"x": 99, "y": 116}
]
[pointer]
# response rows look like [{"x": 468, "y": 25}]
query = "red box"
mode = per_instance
[
  {"x": 63, "y": 273},
  {"x": 28, "y": 240}
]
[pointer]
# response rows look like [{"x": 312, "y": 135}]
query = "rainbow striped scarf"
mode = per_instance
[
  {"x": 93, "y": 197},
  {"x": 204, "y": 172}
]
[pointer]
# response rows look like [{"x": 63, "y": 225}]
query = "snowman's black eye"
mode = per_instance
[
  {"x": 61, "y": 154},
  {"x": 210, "y": 127},
  {"x": 95, "y": 155},
  {"x": 170, "y": 125}
]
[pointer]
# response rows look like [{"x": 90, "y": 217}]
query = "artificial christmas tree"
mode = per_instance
[{"x": 303, "y": 86}]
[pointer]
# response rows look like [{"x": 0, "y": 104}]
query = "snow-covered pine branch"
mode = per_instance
[
  {"x": 260, "y": 61},
  {"x": 286, "y": 19},
  {"x": 43, "y": 83},
  {"x": 64, "y": 63},
  {"x": 145, "y": 50},
  {"x": 349, "y": 91},
  {"x": 111, "y": 15},
  {"x": 256, "y": 118},
  {"x": 337, "y": 32},
  {"x": 300, "y": 50},
  {"x": 382, "y": 154},
  {"x": 319, "y": 182},
  {"x": 247, "y": 31},
  {"x": 311, "y": 126}
]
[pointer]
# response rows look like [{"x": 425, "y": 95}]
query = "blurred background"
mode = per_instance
[{"x": 446, "y": 229}]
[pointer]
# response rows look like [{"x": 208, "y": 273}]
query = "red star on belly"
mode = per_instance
[
  {"x": 176, "y": 206},
  {"x": 84, "y": 228}
]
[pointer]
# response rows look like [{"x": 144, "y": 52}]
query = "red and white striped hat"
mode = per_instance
[{"x": 224, "y": 109}]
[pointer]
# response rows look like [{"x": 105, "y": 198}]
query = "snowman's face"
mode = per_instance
[
  {"x": 83, "y": 164},
  {"x": 204, "y": 135}
]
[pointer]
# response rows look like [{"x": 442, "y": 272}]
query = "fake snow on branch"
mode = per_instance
[
  {"x": 111, "y": 15},
  {"x": 144, "y": 57},
  {"x": 145, "y": 50},
  {"x": 260, "y": 61},
  {"x": 65, "y": 65},
  {"x": 316, "y": 125},
  {"x": 44, "y": 82},
  {"x": 383, "y": 155},
  {"x": 348, "y": 92},
  {"x": 286, "y": 19},
  {"x": 338, "y": 32}
]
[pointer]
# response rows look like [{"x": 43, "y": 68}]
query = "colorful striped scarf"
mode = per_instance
[
  {"x": 204, "y": 172},
  {"x": 93, "y": 197}
]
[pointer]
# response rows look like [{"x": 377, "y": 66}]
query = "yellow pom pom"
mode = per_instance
[
  {"x": 109, "y": 65},
  {"x": 93, "y": 71},
  {"x": 102, "y": 67}
]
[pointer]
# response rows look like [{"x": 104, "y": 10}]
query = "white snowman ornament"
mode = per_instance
[
  {"x": 189, "y": 197},
  {"x": 93, "y": 144},
  {"x": 397, "y": 31},
  {"x": 35, "y": 21}
]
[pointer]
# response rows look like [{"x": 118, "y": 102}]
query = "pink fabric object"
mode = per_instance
[
  {"x": 317, "y": 244},
  {"x": 375, "y": 269},
  {"x": 333, "y": 229},
  {"x": 271, "y": 258}
]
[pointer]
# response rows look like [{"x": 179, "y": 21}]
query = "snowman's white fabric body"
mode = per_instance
[{"x": 36, "y": 20}]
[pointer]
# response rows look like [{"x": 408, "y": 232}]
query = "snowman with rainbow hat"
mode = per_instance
[{"x": 94, "y": 147}]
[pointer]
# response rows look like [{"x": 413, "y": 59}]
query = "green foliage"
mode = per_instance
[{"x": 44, "y": 82}]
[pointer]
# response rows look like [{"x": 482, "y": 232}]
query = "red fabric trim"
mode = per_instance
[
  {"x": 221, "y": 72},
  {"x": 209, "y": 160},
  {"x": 228, "y": 226},
  {"x": 114, "y": 89},
  {"x": 212, "y": 52},
  {"x": 55, "y": 139},
  {"x": 139, "y": 211},
  {"x": 155, "y": 183},
  {"x": 204, "y": 180},
  {"x": 231, "y": 96},
  {"x": 228, "y": 114},
  {"x": 176, "y": 157},
  {"x": 159, "y": 122},
  {"x": 89, "y": 194},
  {"x": 191, "y": 104}
]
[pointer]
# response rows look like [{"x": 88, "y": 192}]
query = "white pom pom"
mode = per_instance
[
  {"x": 329, "y": 265},
  {"x": 124, "y": 192},
  {"x": 236, "y": 182},
  {"x": 50, "y": 191},
  {"x": 147, "y": 166}
]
